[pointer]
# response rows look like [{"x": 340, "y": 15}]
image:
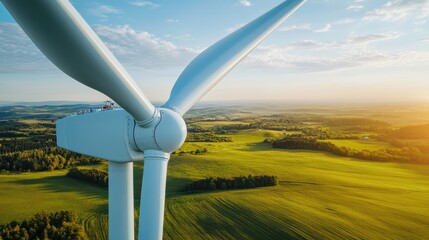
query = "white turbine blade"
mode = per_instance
[
  {"x": 152, "y": 199},
  {"x": 214, "y": 63},
  {"x": 66, "y": 39}
]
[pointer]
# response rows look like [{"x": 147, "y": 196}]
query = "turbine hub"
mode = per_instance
[{"x": 167, "y": 135}]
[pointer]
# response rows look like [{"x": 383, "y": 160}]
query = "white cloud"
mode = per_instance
[
  {"x": 141, "y": 49},
  {"x": 308, "y": 27},
  {"x": 145, "y": 4},
  {"x": 350, "y": 42},
  {"x": 344, "y": 21},
  {"x": 420, "y": 22},
  {"x": 355, "y": 51},
  {"x": 18, "y": 53},
  {"x": 296, "y": 27},
  {"x": 369, "y": 38},
  {"x": 326, "y": 28},
  {"x": 171, "y": 20},
  {"x": 397, "y": 10},
  {"x": 424, "y": 40},
  {"x": 355, "y": 7},
  {"x": 103, "y": 11},
  {"x": 245, "y": 3},
  {"x": 344, "y": 59},
  {"x": 183, "y": 37},
  {"x": 134, "y": 49},
  {"x": 309, "y": 44}
]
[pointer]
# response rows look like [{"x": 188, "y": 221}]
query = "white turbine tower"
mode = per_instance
[{"x": 139, "y": 131}]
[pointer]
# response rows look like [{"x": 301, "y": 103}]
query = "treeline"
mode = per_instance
[
  {"x": 43, "y": 159},
  {"x": 55, "y": 226},
  {"x": 193, "y": 152},
  {"x": 358, "y": 124},
  {"x": 206, "y": 137},
  {"x": 17, "y": 128},
  {"x": 30, "y": 143},
  {"x": 286, "y": 122},
  {"x": 41, "y": 113},
  {"x": 37, "y": 152},
  {"x": 223, "y": 129},
  {"x": 211, "y": 184},
  {"x": 412, "y": 132},
  {"x": 220, "y": 129},
  {"x": 13, "y": 125},
  {"x": 278, "y": 122},
  {"x": 96, "y": 176},
  {"x": 299, "y": 122},
  {"x": 326, "y": 133},
  {"x": 267, "y": 125},
  {"x": 10, "y": 134},
  {"x": 405, "y": 154},
  {"x": 193, "y": 128}
]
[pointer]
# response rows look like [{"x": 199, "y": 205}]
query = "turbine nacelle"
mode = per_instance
[{"x": 115, "y": 136}]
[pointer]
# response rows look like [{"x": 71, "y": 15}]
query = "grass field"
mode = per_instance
[
  {"x": 23, "y": 195},
  {"x": 320, "y": 196}
]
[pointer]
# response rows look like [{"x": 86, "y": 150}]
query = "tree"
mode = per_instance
[
  {"x": 212, "y": 185},
  {"x": 59, "y": 225},
  {"x": 250, "y": 181}
]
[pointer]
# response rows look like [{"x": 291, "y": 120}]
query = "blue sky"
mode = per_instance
[{"x": 343, "y": 50}]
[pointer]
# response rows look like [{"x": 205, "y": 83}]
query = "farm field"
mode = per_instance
[
  {"x": 23, "y": 195},
  {"x": 319, "y": 196}
]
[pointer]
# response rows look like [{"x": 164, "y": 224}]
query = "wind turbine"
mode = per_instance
[{"x": 139, "y": 131}]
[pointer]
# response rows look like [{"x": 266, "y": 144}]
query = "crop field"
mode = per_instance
[{"x": 320, "y": 195}]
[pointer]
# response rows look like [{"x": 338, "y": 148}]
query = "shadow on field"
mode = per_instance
[
  {"x": 176, "y": 185},
  {"x": 258, "y": 146},
  {"x": 241, "y": 222},
  {"x": 62, "y": 184}
]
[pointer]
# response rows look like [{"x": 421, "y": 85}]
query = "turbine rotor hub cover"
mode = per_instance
[{"x": 167, "y": 135}]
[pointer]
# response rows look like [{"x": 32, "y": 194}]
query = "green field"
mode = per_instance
[
  {"x": 23, "y": 195},
  {"x": 320, "y": 196}
]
